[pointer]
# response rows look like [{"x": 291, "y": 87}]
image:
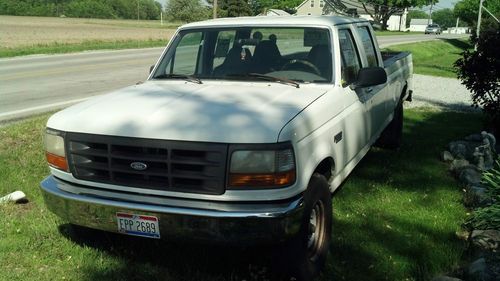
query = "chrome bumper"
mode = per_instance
[{"x": 178, "y": 218}]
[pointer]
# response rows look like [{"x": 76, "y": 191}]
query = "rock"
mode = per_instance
[
  {"x": 16, "y": 196},
  {"x": 476, "y": 196},
  {"x": 488, "y": 240},
  {"x": 445, "y": 278},
  {"x": 458, "y": 164},
  {"x": 446, "y": 156},
  {"x": 478, "y": 271},
  {"x": 474, "y": 138},
  {"x": 491, "y": 138},
  {"x": 470, "y": 176},
  {"x": 458, "y": 149}
]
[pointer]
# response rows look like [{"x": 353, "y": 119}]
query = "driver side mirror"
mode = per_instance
[
  {"x": 370, "y": 76},
  {"x": 151, "y": 68}
]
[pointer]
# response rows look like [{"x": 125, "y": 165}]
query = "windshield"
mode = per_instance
[{"x": 298, "y": 54}]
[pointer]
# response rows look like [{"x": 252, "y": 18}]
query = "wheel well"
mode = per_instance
[
  {"x": 325, "y": 168},
  {"x": 403, "y": 92}
]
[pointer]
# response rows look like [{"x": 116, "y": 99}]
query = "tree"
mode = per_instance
[
  {"x": 235, "y": 8},
  {"x": 444, "y": 17},
  {"x": 415, "y": 14},
  {"x": 260, "y": 6},
  {"x": 186, "y": 10},
  {"x": 382, "y": 10},
  {"x": 479, "y": 70},
  {"x": 467, "y": 11}
]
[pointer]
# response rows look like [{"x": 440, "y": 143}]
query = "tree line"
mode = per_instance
[
  {"x": 465, "y": 10},
  {"x": 108, "y": 9},
  {"x": 194, "y": 10}
]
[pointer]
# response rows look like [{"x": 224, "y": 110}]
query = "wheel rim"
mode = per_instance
[{"x": 316, "y": 231}]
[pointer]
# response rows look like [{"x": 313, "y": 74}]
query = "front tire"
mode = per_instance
[{"x": 307, "y": 252}]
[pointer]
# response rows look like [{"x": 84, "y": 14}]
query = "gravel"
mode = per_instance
[{"x": 440, "y": 93}]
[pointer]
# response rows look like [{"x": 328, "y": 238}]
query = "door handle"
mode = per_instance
[{"x": 369, "y": 90}]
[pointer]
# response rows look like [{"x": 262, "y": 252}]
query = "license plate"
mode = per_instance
[{"x": 138, "y": 225}]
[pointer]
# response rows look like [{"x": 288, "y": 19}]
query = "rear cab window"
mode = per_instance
[
  {"x": 368, "y": 46},
  {"x": 350, "y": 61}
]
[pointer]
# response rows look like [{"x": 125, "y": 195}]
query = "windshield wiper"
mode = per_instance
[
  {"x": 186, "y": 77},
  {"x": 274, "y": 79},
  {"x": 267, "y": 78}
]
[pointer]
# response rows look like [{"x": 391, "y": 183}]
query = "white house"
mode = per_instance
[
  {"x": 419, "y": 25},
  {"x": 274, "y": 12},
  {"x": 348, "y": 7},
  {"x": 457, "y": 30}
]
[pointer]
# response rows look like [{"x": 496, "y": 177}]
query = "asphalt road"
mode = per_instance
[{"x": 41, "y": 83}]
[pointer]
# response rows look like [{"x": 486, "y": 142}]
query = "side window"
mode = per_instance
[
  {"x": 186, "y": 55},
  {"x": 350, "y": 58},
  {"x": 371, "y": 55}
]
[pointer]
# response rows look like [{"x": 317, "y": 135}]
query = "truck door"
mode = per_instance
[
  {"x": 379, "y": 94},
  {"x": 358, "y": 124}
]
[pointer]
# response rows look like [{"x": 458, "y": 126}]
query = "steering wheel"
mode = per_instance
[{"x": 301, "y": 65}]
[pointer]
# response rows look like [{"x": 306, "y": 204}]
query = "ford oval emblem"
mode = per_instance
[{"x": 139, "y": 166}]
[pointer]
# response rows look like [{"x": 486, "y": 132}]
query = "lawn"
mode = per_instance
[
  {"x": 34, "y": 35},
  {"x": 436, "y": 57},
  {"x": 395, "y": 218}
]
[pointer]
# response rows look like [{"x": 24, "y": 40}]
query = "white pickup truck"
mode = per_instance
[{"x": 242, "y": 132}]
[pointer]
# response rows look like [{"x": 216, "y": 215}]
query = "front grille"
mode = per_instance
[{"x": 171, "y": 165}]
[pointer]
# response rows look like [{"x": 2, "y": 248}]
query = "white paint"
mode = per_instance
[{"x": 15, "y": 196}]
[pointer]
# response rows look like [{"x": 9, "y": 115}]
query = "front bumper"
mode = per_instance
[{"x": 248, "y": 223}]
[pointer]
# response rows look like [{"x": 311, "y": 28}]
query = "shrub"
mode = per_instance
[
  {"x": 186, "y": 10},
  {"x": 491, "y": 179},
  {"x": 485, "y": 218},
  {"x": 488, "y": 217},
  {"x": 479, "y": 71}
]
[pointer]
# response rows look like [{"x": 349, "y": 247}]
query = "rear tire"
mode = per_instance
[
  {"x": 306, "y": 253},
  {"x": 392, "y": 135}
]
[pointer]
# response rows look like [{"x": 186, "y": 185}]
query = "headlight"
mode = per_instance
[
  {"x": 263, "y": 168},
  {"x": 54, "y": 149}
]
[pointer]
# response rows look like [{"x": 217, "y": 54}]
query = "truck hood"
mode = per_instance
[{"x": 232, "y": 112}]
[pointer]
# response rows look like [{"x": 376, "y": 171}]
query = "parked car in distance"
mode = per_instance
[{"x": 433, "y": 28}]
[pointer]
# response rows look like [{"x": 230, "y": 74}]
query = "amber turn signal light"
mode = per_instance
[
  {"x": 56, "y": 161},
  {"x": 271, "y": 180}
]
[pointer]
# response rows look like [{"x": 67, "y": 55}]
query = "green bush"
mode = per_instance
[
  {"x": 125, "y": 9},
  {"x": 485, "y": 218},
  {"x": 491, "y": 179},
  {"x": 479, "y": 71},
  {"x": 89, "y": 9},
  {"x": 488, "y": 217},
  {"x": 186, "y": 10}
]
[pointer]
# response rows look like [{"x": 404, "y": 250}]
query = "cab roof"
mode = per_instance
[{"x": 289, "y": 21}]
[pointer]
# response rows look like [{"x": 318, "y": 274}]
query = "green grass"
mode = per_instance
[
  {"x": 436, "y": 57},
  {"x": 59, "y": 48},
  {"x": 395, "y": 218}
]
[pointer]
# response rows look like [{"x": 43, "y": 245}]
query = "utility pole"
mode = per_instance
[
  {"x": 215, "y": 9},
  {"x": 430, "y": 13},
  {"x": 479, "y": 18},
  {"x": 456, "y": 26}
]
